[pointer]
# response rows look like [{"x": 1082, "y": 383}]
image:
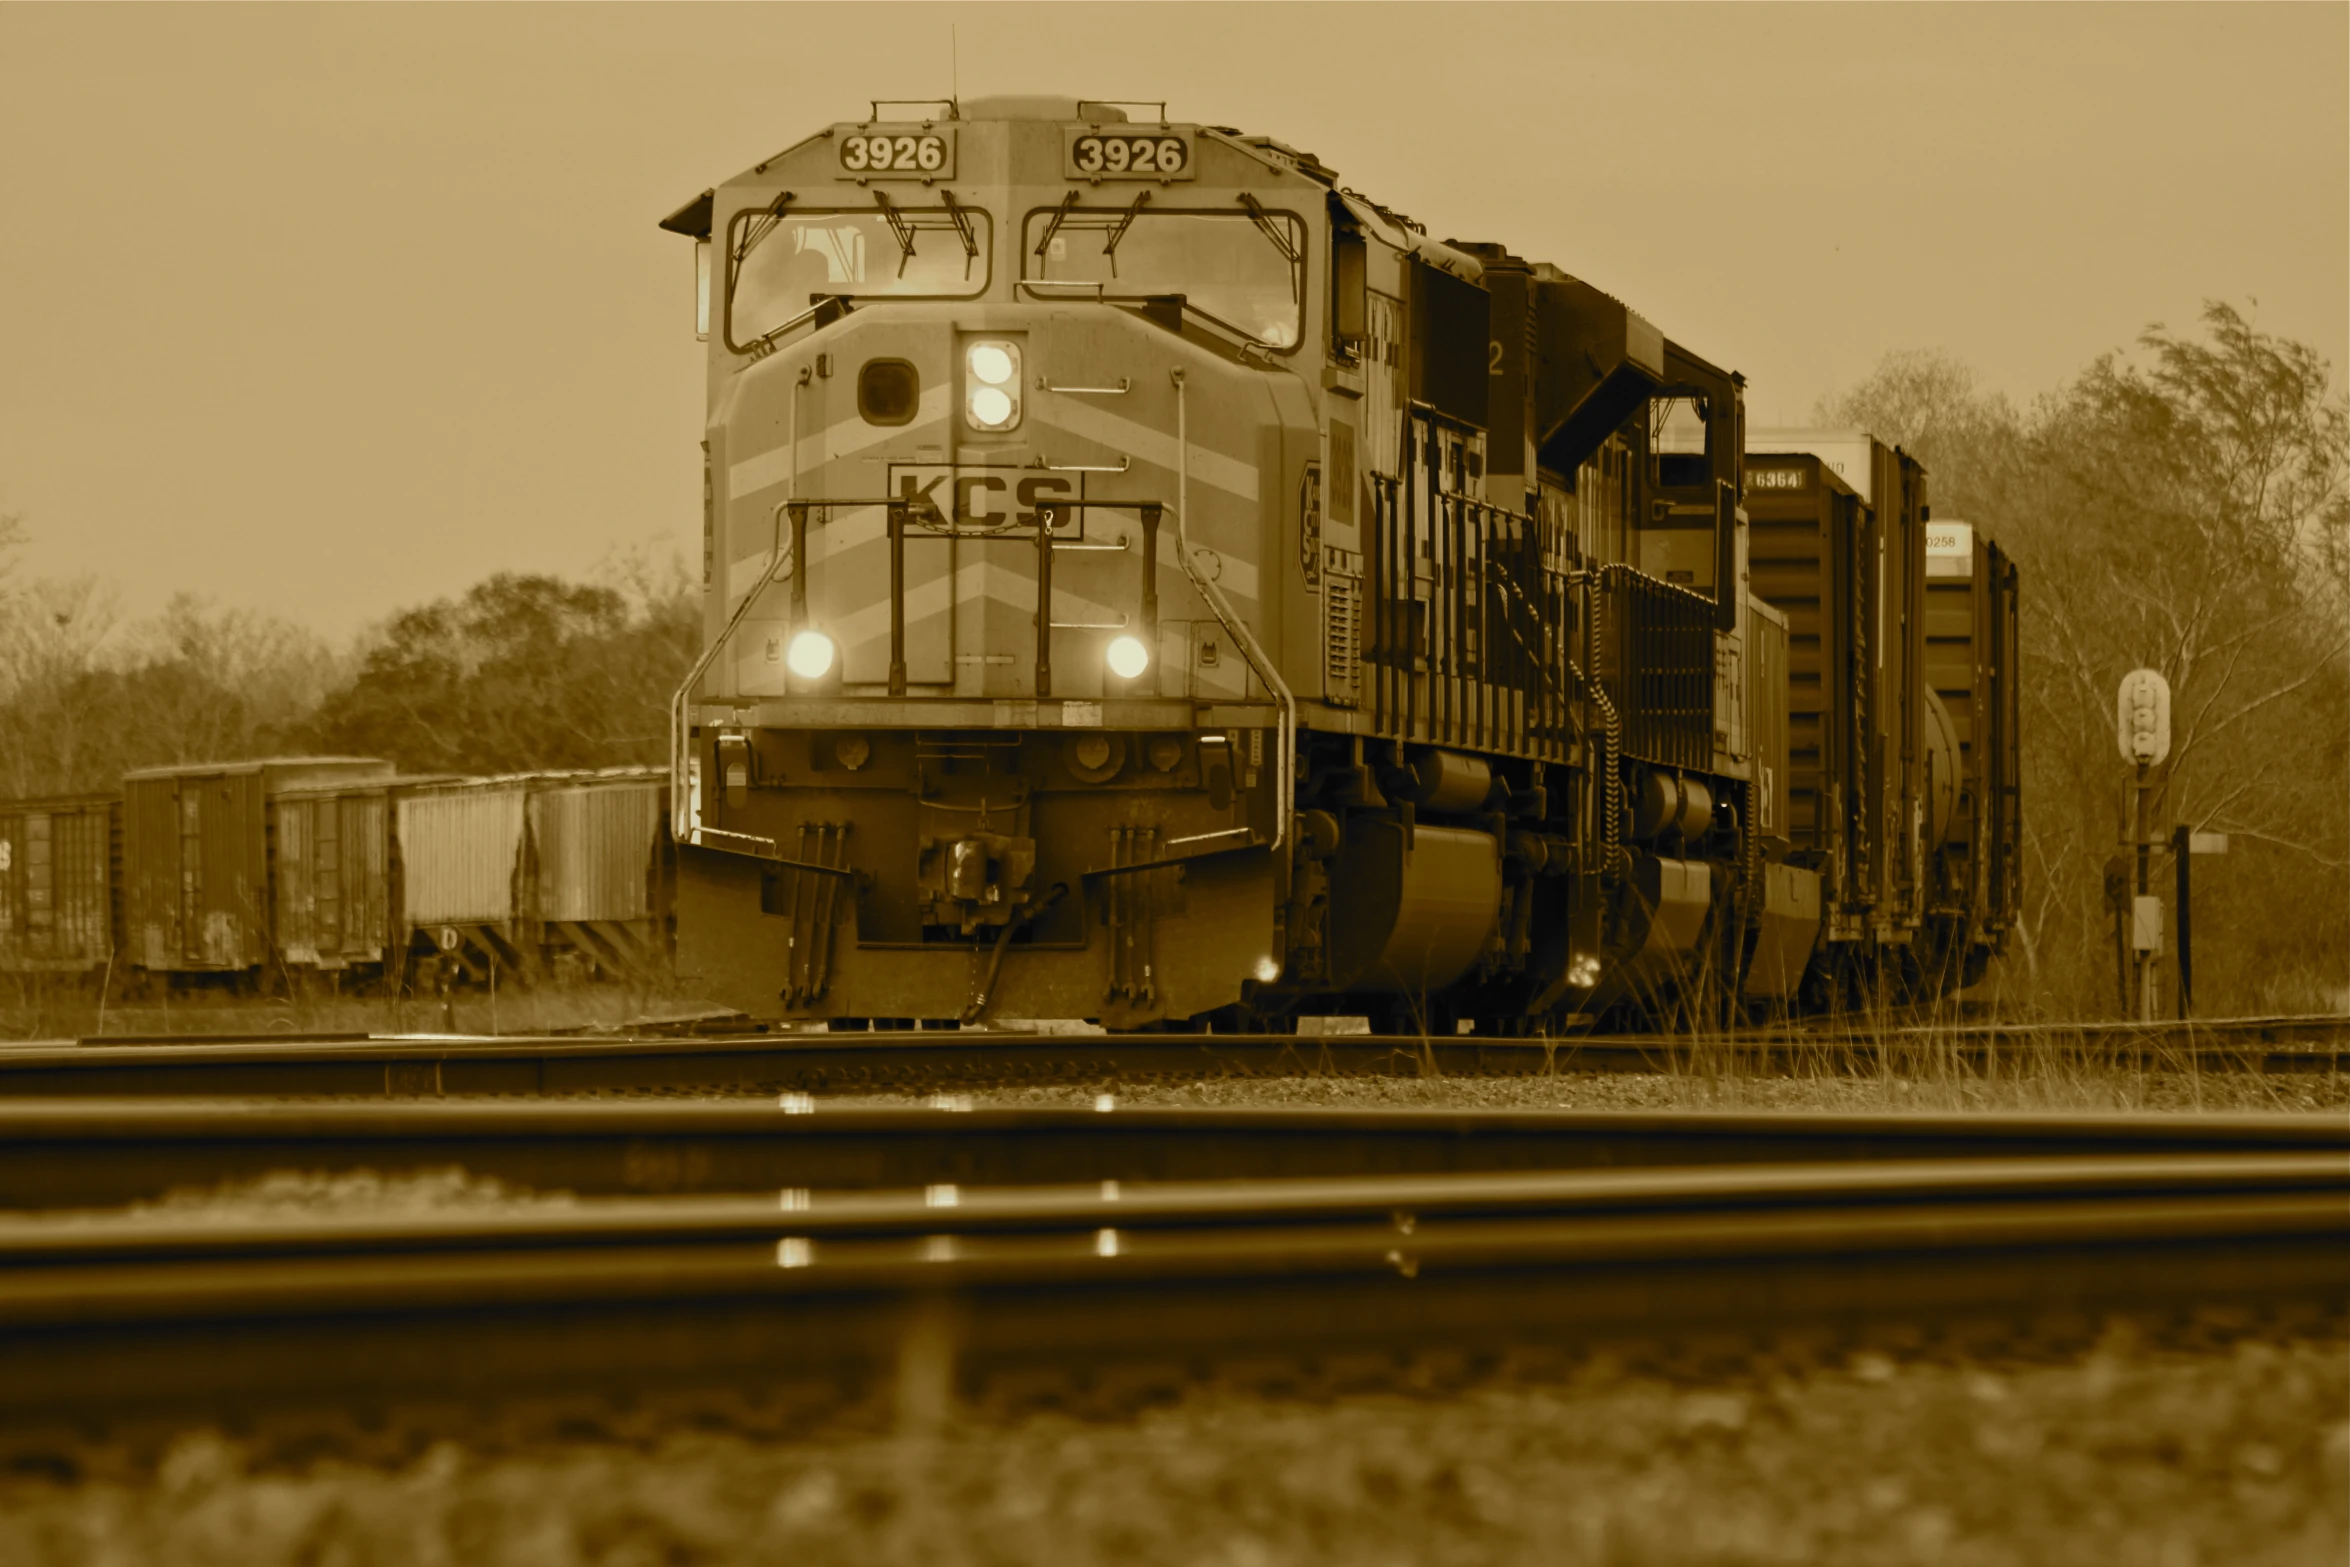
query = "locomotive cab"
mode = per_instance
[{"x": 1001, "y": 409}]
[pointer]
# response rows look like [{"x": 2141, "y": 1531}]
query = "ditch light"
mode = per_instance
[
  {"x": 1128, "y": 658},
  {"x": 810, "y": 655}
]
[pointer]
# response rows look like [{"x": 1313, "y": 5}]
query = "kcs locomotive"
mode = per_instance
[{"x": 1149, "y": 581}]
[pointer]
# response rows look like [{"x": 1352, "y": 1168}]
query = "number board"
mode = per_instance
[
  {"x": 896, "y": 152},
  {"x": 1134, "y": 153}
]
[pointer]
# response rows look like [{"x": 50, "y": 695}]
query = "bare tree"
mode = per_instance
[{"x": 2181, "y": 508}]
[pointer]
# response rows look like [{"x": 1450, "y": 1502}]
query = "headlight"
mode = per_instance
[
  {"x": 1128, "y": 657},
  {"x": 992, "y": 363},
  {"x": 810, "y": 655},
  {"x": 991, "y": 394}
]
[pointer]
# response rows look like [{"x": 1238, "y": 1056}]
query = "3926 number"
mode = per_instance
[
  {"x": 1146, "y": 155},
  {"x": 893, "y": 154}
]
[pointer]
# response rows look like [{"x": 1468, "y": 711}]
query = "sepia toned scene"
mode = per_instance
[{"x": 1520, "y": 782}]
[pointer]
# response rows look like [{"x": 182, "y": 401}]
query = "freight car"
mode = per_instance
[
  {"x": 317, "y": 872},
  {"x": 201, "y": 862},
  {"x": 537, "y": 873},
  {"x": 60, "y": 868},
  {"x": 1147, "y": 580},
  {"x": 1901, "y": 783}
]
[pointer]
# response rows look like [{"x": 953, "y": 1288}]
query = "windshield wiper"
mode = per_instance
[
  {"x": 756, "y": 230},
  {"x": 1053, "y": 224},
  {"x": 1119, "y": 228},
  {"x": 1271, "y": 230},
  {"x": 899, "y": 228},
  {"x": 903, "y": 227},
  {"x": 1066, "y": 214}
]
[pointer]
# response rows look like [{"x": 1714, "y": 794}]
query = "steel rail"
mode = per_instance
[
  {"x": 209, "y": 1322},
  {"x": 86, "y": 1154},
  {"x": 884, "y": 1218},
  {"x": 853, "y": 1062}
]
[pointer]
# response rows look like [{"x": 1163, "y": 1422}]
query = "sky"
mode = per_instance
[{"x": 328, "y": 310}]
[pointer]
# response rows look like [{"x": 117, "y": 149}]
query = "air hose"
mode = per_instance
[{"x": 995, "y": 961}]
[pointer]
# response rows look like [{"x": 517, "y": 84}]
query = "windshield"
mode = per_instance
[
  {"x": 782, "y": 265},
  {"x": 1244, "y": 269}
]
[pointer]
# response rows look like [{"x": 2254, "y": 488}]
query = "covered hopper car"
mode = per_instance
[{"x": 1149, "y": 581}]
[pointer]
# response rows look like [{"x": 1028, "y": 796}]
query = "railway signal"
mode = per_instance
[{"x": 2142, "y": 730}]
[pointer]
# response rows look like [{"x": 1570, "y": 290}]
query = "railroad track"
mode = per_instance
[
  {"x": 370, "y": 1066},
  {"x": 60, "y": 1154},
  {"x": 929, "y": 1297}
]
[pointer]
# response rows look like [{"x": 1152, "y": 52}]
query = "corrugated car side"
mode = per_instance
[
  {"x": 59, "y": 860},
  {"x": 598, "y": 844},
  {"x": 461, "y": 855}
]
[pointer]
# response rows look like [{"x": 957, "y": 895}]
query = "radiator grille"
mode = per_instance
[{"x": 1342, "y": 635}]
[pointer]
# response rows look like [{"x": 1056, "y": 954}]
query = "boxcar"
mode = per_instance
[
  {"x": 331, "y": 846},
  {"x": 1971, "y": 665},
  {"x": 197, "y": 861},
  {"x": 1899, "y": 700},
  {"x": 60, "y": 863}
]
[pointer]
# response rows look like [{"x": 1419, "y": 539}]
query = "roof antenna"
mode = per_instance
[{"x": 955, "y": 70}]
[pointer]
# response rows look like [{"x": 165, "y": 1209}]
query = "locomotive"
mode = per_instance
[{"x": 1149, "y": 581}]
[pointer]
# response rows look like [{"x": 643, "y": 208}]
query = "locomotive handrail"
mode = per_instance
[
  {"x": 903, "y": 514},
  {"x": 681, "y": 791},
  {"x": 766, "y": 342},
  {"x": 1285, "y": 746},
  {"x": 682, "y": 794}
]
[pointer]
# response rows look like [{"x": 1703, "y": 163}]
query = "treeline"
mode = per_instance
[
  {"x": 520, "y": 672},
  {"x": 2183, "y": 507}
]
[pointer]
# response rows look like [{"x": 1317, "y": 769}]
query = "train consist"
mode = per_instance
[
  {"x": 1149, "y": 581},
  {"x": 334, "y": 872}
]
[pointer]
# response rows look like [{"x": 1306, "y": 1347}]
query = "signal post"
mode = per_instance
[{"x": 2143, "y": 731}]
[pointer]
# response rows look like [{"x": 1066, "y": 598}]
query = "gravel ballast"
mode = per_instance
[{"x": 2236, "y": 1453}]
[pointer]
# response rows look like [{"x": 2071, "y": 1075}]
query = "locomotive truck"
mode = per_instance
[{"x": 1147, "y": 580}]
